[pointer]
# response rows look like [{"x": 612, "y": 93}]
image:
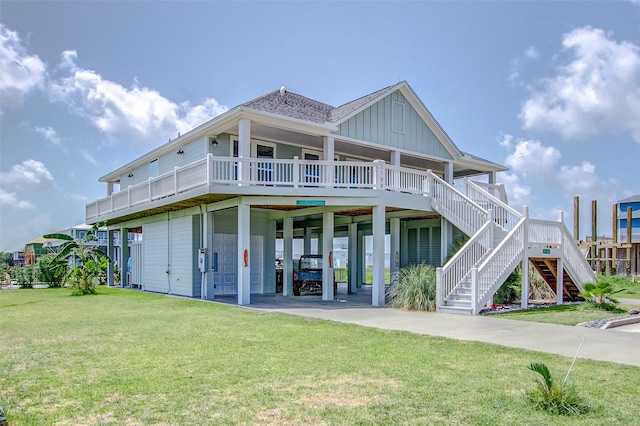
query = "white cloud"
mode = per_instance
[
  {"x": 138, "y": 112},
  {"x": 88, "y": 157},
  {"x": 19, "y": 71},
  {"x": 598, "y": 90},
  {"x": 532, "y": 53},
  {"x": 49, "y": 135},
  {"x": 519, "y": 195},
  {"x": 11, "y": 199},
  {"x": 533, "y": 164},
  {"x": 30, "y": 175}
]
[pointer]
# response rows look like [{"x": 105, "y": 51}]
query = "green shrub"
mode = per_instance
[
  {"x": 601, "y": 293},
  {"x": 549, "y": 396},
  {"x": 52, "y": 271},
  {"x": 416, "y": 288},
  {"x": 510, "y": 290},
  {"x": 25, "y": 275}
]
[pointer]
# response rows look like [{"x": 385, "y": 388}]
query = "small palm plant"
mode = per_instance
[
  {"x": 85, "y": 259},
  {"x": 549, "y": 396},
  {"x": 601, "y": 294}
]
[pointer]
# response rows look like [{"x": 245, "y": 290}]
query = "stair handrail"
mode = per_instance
[
  {"x": 467, "y": 216},
  {"x": 496, "y": 268},
  {"x": 493, "y": 188},
  {"x": 503, "y": 214},
  {"x": 575, "y": 262},
  {"x": 459, "y": 266}
]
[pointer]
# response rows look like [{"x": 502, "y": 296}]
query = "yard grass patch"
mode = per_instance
[
  {"x": 125, "y": 357},
  {"x": 561, "y": 314}
]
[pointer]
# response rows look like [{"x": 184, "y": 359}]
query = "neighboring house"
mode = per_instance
[
  {"x": 629, "y": 260},
  {"x": 208, "y": 206},
  {"x": 35, "y": 249},
  {"x": 18, "y": 258}
]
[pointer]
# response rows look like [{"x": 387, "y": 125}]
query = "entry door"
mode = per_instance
[
  {"x": 264, "y": 170},
  {"x": 225, "y": 278},
  {"x": 156, "y": 256}
]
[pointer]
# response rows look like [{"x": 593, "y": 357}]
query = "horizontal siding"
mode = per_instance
[{"x": 375, "y": 124}]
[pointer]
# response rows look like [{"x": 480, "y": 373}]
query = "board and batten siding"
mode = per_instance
[
  {"x": 155, "y": 244},
  {"x": 393, "y": 122}
]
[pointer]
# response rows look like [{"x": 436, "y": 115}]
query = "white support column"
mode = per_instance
[
  {"x": 352, "y": 261},
  {"x": 395, "y": 161},
  {"x": 446, "y": 239},
  {"x": 448, "y": 173},
  {"x": 244, "y": 148},
  {"x": 124, "y": 255},
  {"x": 287, "y": 272},
  {"x": 244, "y": 255},
  {"x": 361, "y": 267},
  {"x": 394, "y": 260},
  {"x": 207, "y": 291},
  {"x": 111, "y": 253},
  {"x": 329, "y": 153},
  {"x": 307, "y": 240},
  {"x": 320, "y": 243},
  {"x": 524, "y": 296},
  {"x": 327, "y": 256},
  {"x": 109, "y": 188},
  {"x": 559, "y": 282},
  {"x": 492, "y": 177},
  {"x": 378, "y": 293}
]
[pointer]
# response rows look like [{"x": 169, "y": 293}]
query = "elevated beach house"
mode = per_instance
[{"x": 210, "y": 204}]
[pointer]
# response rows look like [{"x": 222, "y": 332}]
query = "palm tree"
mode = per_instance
[{"x": 85, "y": 259}]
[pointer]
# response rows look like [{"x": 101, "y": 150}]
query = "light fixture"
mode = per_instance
[
  {"x": 214, "y": 141},
  {"x": 180, "y": 152},
  {"x": 130, "y": 175}
]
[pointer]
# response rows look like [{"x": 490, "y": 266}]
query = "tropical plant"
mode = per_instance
[
  {"x": 600, "y": 293},
  {"x": 511, "y": 290},
  {"x": 84, "y": 258},
  {"x": 549, "y": 396},
  {"x": 25, "y": 275},
  {"x": 52, "y": 271},
  {"x": 416, "y": 288}
]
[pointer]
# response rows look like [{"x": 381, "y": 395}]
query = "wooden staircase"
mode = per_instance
[{"x": 548, "y": 270}]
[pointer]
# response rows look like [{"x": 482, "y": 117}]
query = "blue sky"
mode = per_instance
[{"x": 550, "y": 89}]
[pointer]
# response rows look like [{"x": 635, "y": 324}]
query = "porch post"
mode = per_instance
[
  {"x": 124, "y": 255},
  {"x": 307, "y": 240},
  {"x": 109, "y": 188},
  {"x": 244, "y": 149},
  {"x": 378, "y": 293},
  {"x": 492, "y": 177},
  {"x": 352, "y": 261},
  {"x": 244, "y": 254},
  {"x": 361, "y": 267},
  {"x": 448, "y": 173},
  {"x": 395, "y": 161},
  {"x": 110, "y": 253},
  {"x": 287, "y": 262},
  {"x": 207, "y": 290},
  {"x": 394, "y": 260},
  {"x": 327, "y": 256},
  {"x": 446, "y": 238},
  {"x": 559, "y": 282},
  {"x": 524, "y": 296},
  {"x": 328, "y": 148}
]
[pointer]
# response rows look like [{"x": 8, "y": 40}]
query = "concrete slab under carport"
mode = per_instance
[{"x": 341, "y": 300}]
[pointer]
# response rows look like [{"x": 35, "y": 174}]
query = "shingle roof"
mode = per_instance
[
  {"x": 297, "y": 106},
  {"x": 346, "y": 109},
  {"x": 292, "y": 105}
]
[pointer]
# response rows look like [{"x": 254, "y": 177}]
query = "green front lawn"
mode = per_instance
[
  {"x": 124, "y": 357},
  {"x": 560, "y": 314}
]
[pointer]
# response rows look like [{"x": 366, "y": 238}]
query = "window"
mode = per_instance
[{"x": 154, "y": 169}]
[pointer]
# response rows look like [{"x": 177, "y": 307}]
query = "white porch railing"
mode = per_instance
[
  {"x": 458, "y": 268},
  {"x": 503, "y": 215},
  {"x": 494, "y": 270},
  {"x": 495, "y": 189},
  {"x": 465, "y": 214},
  {"x": 574, "y": 260}
]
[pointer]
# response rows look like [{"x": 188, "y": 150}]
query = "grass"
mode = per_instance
[
  {"x": 561, "y": 314},
  {"x": 631, "y": 289},
  {"x": 125, "y": 357}
]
